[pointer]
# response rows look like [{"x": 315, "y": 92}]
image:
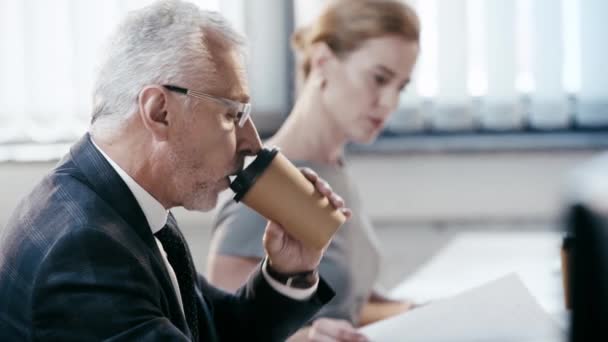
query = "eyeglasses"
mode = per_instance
[{"x": 240, "y": 111}]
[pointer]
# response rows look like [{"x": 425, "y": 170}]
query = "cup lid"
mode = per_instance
[{"x": 247, "y": 177}]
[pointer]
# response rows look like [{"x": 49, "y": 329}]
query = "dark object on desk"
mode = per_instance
[
  {"x": 588, "y": 259},
  {"x": 567, "y": 245}
]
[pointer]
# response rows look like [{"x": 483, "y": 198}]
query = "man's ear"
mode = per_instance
[
  {"x": 321, "y": 57},
  {"x": 154, "y": 112}
]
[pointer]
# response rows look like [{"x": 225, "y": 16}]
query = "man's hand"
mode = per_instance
[
  {"x": 329, "y": 330},
  {"x": 287, "y": 255}
]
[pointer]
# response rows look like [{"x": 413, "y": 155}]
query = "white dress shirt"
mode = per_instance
[{"x": 156, "y": 215}]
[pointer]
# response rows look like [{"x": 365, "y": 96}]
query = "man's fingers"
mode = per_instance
[
  {"x": 347, "y": 212},
  {"x": 336, "y": 200},
  {"x": 310, "y": 174},
  {"x": 323, "y": 187},
  {"x": 273, "y": 237},
  {"x": 274, "y": 230}
]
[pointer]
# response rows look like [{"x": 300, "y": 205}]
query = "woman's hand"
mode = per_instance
[
  {"x": 329, "y": 330},
  {"x": 374, "y": 311}
]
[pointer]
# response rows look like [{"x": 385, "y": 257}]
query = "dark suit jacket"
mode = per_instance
[{"x": 78, "y": 262}]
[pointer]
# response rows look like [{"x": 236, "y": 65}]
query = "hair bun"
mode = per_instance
[{"x": 300, "y": 40}]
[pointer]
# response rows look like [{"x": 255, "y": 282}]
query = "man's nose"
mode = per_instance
[{"x": 249, "y": 142}]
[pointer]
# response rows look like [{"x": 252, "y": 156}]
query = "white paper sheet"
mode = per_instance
[
  {"x": 475, "y": 258},
  {"x": 502, "y": 310}
]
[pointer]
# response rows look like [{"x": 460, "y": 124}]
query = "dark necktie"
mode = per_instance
[{"x": 180, "y": 259}]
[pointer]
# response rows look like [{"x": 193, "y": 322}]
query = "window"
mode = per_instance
[
  {"x": 486, "y": 66},
  {"x": 503, "y": 66},
  {"x": 50, "y": 51}
]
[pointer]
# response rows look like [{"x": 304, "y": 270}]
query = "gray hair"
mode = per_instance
[{"x": 166, "y": 42}]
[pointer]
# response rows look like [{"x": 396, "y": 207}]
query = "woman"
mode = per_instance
[{"x": 354, "y": 62}]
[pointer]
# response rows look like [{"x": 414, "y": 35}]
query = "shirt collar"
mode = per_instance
[{"x": 155, "y": 213}]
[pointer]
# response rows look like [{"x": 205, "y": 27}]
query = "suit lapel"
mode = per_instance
[{"x": 104, "y": 180}]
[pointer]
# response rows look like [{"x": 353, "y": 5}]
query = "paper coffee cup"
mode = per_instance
[{"x": 272, "y": 186}]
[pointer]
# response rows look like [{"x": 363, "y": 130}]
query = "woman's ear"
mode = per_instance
[
  {"x": 153, "y": 111},
  {"x": 321, "y": 57}
]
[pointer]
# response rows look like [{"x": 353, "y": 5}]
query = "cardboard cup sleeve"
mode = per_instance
[{"x": 272, "y": 186}]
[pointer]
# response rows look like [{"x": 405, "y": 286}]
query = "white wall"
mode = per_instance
[
  {"x": 417, "y": 188},
  {"x": 466, "y": 187}
]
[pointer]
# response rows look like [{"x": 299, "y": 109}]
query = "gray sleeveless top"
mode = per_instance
[{"x": 351, "y": 263}]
